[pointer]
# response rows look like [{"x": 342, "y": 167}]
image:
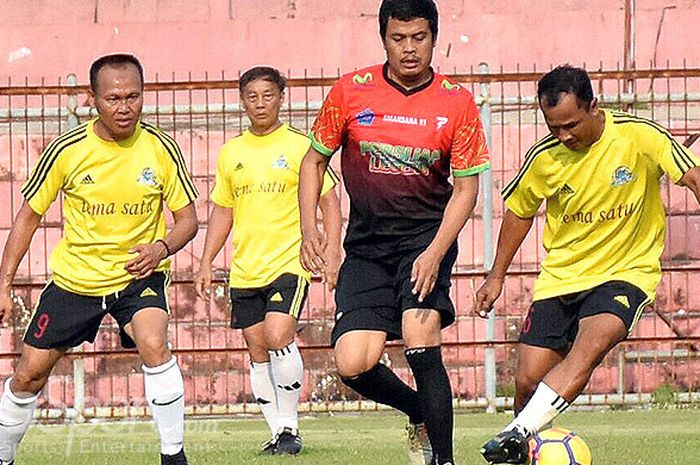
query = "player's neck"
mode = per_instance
[
  {"x": 265, "y": 130},
  {"x": 410, "y": 83}
]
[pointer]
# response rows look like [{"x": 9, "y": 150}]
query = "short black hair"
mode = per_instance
[
  {"x": 565, "y": 79},
  {"x": 116, "y": 59},
  {"x": 406, "y": 10},
  {"x": 262, "y": 72}
]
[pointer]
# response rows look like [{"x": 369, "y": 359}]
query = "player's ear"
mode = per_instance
[
  {"x": 91, "y": 98},
  {"x": 593, "y": 106}
]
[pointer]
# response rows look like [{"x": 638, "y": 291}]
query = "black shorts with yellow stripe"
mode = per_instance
[
  {"x": 553, "y": 323},
  {"x": 64, "y": 319},
  {"x": 286, "y": 294}
]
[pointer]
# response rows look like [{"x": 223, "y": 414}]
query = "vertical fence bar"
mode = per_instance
[
  {"x": 487, "y": 218},
  {"x": 78, "y": 363}
]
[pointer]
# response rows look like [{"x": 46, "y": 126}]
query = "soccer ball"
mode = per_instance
[{"x": 558, "y": 446}]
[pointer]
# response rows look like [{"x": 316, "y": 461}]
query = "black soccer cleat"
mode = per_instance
[
  {"x": 288, "y": 442},
  {"x": 507, "y": 447},
  {"x": 177, "y": 459}
]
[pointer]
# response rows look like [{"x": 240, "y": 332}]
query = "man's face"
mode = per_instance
[
  {"x": 576, "y": 126},
  {"x": 119, "y": 100},
  {"x": 409, "y": 48},
  {"x": 262, "y": 101}
]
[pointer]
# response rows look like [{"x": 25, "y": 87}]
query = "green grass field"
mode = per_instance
[{"x": 649, "y": 437}]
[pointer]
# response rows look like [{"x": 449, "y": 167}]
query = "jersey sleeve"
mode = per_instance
[
  {"x": 46, "y": 180},
  {"x": 329, "y": 128},
  {"x": 222, "y": 194},
  {"x": 524, "y": 194},
  {"x": 178, "y": 188},
  {"x": 470, "y": 155},
  {"x": 674, "y": 158}
]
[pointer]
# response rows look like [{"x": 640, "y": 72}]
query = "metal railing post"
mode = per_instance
[
  {"x": 78, "y": 362},
  {"x": 487, "y": 217}
]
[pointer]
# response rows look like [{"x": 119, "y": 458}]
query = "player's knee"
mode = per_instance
[
  {"x": 24, "y": 382},
  {"x": 278, "y": 339},
  {"x": 351, "y": 367},
  {"x": 258, "y": 353},
  {"x": 153, "y": 349},
  {"x": 526, "y": 383}
]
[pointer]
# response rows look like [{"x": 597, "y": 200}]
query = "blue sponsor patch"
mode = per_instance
[
  {"x": 622, "y": 176},
  {"x": 366, "y": 117}
]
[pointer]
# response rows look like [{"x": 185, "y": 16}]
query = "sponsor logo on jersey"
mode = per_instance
[
  {"x": 87, "y": 180},
  {"x": 366, "y": 117},
  {"x": 565, "y": 191},
  {"x": 363, "y": 80},
  {"x": 239, "y": 166},
  {"x": 441, "y": 121},
  {"x": 449, "y": 88},
  {"x": 398, "y": 159},
  {"x": 280, "y": 163},
  {"x": 622, "y": 176},
  {"x": 401, "y": 119},
  {"x": 148, "y": 178}
]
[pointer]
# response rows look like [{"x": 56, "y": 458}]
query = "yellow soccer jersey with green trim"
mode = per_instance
[
  {"x": 258, "y": 178},
  {"x": 113, "y": 200},
  {"x": 605, "y": 215}
]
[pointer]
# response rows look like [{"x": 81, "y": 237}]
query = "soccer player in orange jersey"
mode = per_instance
[{"x": 412, "y": 147}]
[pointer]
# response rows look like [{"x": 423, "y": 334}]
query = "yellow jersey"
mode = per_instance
[
  {"x": 113, "y": 200},
  {"x": 605, "y": 216},
  {"x": 258, "y": 178}
]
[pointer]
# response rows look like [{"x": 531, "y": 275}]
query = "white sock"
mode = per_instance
[
  {"x": 264, "y": 391},
  {"x": 15, "y": 416},
  {"x": 544, "y": 405},
  {"x": 288, "y": 375},
  {"x": 165, "y": 393}
]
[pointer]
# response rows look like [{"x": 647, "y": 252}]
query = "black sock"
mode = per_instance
[
  {"x": 381, "y": 385},
  {"x": 435, "y": 396}
]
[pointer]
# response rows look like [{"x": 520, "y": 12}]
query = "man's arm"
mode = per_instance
[
  {"x": 691, "y": 180},
  {"x": 313, "y": 244},
  {"x": 330, "y": 211},
  {"x": 459, "y": 208},
  {"x": 218, "y": 229},
  {"x": 150, "y": 255},
  {"x": 23, "y": 228},
  {"x": 511, "y": 235}
]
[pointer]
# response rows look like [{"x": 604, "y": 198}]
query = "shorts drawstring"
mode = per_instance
[{"x": 104, "y": 302}]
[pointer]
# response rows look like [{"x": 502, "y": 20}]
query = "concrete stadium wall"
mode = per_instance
[{"x": 42, "y": 38}]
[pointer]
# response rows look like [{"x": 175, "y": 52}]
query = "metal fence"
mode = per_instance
[{"x": 659, "y": 363}]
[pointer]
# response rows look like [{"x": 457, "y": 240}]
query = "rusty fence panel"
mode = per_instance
[{"x": 658, "y": 363}]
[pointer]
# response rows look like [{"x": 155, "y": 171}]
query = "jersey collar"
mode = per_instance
[{"x": 402, "y": 89}]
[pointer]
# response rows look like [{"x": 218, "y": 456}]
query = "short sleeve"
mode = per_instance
[
  {"x": 222, "y": 194},
  {"x": 470, "y": 154},
  {"x": 46, "y": 180},
  {"x": 673, "y": 158},
  {"x": 524, "y": 194},
  {"x": 329, "y": 128},
  {"x": 178, "y": 188}
]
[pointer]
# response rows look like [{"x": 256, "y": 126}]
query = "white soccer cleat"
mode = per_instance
[{"x": 420, "y": 452}]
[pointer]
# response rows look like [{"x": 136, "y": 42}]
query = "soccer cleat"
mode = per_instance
[
  {"x": 420, "y": 452},
  {"x": 177, "y": 459},
  {"x": 507, "y": 447},
  {"x": 269, "y": 446},
  {"x": 288, "y": 442}
]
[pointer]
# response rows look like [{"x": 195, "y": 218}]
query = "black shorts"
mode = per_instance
[
  {"x": 373, "y": 294},
  {"x": 66, "y": 319},
  {"x": 553, "y": 323},
  {"x": 285, "y": 294}
]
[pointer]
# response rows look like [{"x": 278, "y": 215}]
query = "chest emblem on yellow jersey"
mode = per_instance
[
  {"x": 622, "y": 176},
  {"x": 148, "y": 178},
  {"x": 280, "y": 163},
  {"x": 87, "y": 180},
  {"x": 565, "y": 191}
]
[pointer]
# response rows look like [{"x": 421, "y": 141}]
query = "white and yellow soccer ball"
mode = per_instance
[{"x": 559, "y": 446}]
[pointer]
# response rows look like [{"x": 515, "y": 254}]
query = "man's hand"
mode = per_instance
[
  {"x": 424, "y": 273},
  {"x": 330, "y": 272},
  {"x": 148, "y": 259},
  {"x": 202, "y": 281},
  {"x": 487, "y": 295},
  {"x": 6, "y": 303},
  {"x": 313, "y": 245}
]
